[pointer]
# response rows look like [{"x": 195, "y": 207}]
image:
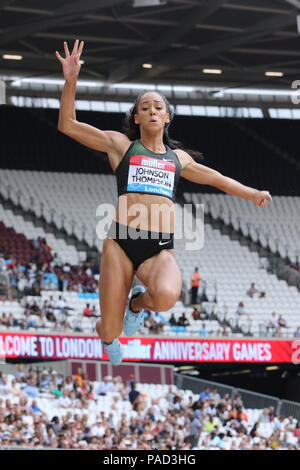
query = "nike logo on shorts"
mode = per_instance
[{"x": 164, "y": 243}]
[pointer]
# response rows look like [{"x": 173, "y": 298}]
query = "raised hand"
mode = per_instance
[
  {"x": 70, "y": 64},
  {"x": 262, "y": 198}
]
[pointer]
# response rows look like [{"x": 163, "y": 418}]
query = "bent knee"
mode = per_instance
[{"x": 165, "y": 299}]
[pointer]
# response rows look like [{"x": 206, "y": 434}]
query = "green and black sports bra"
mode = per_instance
[{"x": 146, "y": 172}]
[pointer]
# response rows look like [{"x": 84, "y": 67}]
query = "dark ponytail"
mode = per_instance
[{"x": 132, "y": 130}]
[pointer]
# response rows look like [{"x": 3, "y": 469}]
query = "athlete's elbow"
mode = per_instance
[
  {"x": 61, "y": 127},
  {"x": 65, "y": 127}
]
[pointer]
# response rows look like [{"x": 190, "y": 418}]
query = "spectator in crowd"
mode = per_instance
[
  {"x": 148, "y": 320},
  {"x": 224, "y": 331},
  {"x": 210, "y": 408},
  {"x": 15, "y": 388},
  {"x": 4, "y": 386},
  {"x": 194, "y": 431},
  {"x": 31, "y": 389},
  {"x": 45, "y": 381},
  {"x": 158, "y": 325},
  {"x": 295, "y": 430},
  {"x": 271, "y": 413},
  {"x": 273, "y": 324},
  {"x": 205, "y": 395},
  {"x": 203, "y": 331},
  {"x": 35, "y": 408},
  {"x": 57, "y": 261},
  {"x": 3, "y": 267},
  {"x": 78, "y": 377},
  {"x": 47, "y": 313},
  {"x": 177, "y": 403},
  {"x": 264, "y": 416},
  {"x": 183, "y": 321},
  {"x": 241, "y": 309},
  {"x": 64, "y": 401},
  {"x": 133, "y": 394},
  {"x": 254, "y": 430},
  {"x": 61, "y": 278},
  {"x": 61, "y": 305},
  {"x": 195, "y": 284},
  {"x": 210, "y": 423},
  {"x": 89, "y": 313},
  {"x": 196, "y": 314},
  {"x": 4, "y": 283},
  {"x": 20, "y": 374},
  {"x": 252, "y": 291},
  {"x": 29, "y": 321},
  {"x": 55, "y": 388},
  {"x": 172, "y": 320},
  {"x": 281, "y": 322},
  {"x": 296, "y": 333},
  {"x": 238, "y": 414},
  {"x": 217, "y": 441},
  {"x": 12, "y": 321},
  {"x": 34, "y": 309},
  {"x": 106, "y": 386},
  {"x": 215, "y": 395},
  {"x": 22, "y": 284},
  {"x": 4, "y": 320}
]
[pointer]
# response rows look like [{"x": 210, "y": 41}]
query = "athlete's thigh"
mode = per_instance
[
  {"x": 160, "y": 271},
  {"x": 116, "y": 274}
]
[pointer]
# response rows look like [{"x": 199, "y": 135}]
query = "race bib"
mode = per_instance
[{"x": 150, "y": 175}]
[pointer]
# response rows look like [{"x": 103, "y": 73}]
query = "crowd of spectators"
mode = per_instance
[
  {"x": 182, "y": 321},
  {"x": 277, "y": 325},
  {"x": 175, "y": 419},
  {"x": 45, "y": 271},
  {"x": 36, "y": 315}
]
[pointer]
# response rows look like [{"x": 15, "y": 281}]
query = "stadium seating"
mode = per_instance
[
  {"x": 277, "y": 227},
  {"x": 18, "y": 225},
  {"x": 116, "y": 406}
]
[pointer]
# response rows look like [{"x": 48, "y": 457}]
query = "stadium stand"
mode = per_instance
[
  {"x": 48, "y": 410},
  {"x": 276, "y": 228},
  {"x": 26, "y": 228}
]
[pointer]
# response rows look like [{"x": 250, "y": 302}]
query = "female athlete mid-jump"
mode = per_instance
[{"x": 144, "y": 148}]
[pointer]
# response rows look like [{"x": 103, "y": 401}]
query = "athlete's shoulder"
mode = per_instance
[
  {"x": 183, "y": 157},
  {"x": 120, "y": 141},
  {"x": 119, "y": 137}
]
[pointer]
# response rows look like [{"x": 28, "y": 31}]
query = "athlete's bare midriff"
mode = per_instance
[{"x": 146, "y": 212}]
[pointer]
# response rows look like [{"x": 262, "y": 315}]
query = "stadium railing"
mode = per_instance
[{"x": 250, "y": 399}]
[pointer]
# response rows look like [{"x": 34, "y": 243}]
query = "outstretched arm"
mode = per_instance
[
  {"x": 104, "y": 141},
  {"x": 201, "y": 174}
]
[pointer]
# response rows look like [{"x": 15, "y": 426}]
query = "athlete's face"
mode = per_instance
[{"x": 152, "y": 112}]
